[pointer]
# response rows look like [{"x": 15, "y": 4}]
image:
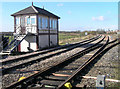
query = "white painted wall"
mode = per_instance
[
  {"x": 43, "y": 41},
  {"x": 26, "y": 41},
  {"x": 29, "y": 27}
]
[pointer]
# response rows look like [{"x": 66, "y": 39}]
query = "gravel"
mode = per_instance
[
  {"x": 15, "y": 75},
  {"x": 107, "y": 65},
  {"x": 7, "y": 65}
]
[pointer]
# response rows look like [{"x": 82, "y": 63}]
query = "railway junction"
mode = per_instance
[
  {"x": 44, "y": 64},
  {"x": 68, "y": 66}
]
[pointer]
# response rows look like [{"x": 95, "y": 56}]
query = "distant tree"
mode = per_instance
[{"x": 101, "y": 31}]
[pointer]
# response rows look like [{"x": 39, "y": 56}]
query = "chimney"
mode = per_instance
[{"x": 32, "y": 3}]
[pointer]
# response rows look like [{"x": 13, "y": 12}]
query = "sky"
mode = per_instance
[{"x": 74, "y": 16}]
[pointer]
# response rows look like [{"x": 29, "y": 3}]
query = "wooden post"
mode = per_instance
[
  {"x": 37, "y": 30},
  {"x": 49, "y": 30},
  {"x": 15, "y": 24},
  {"x": 57, "y": 33}
]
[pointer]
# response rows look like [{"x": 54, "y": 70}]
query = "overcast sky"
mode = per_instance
[{"x": 74, "y": 15}]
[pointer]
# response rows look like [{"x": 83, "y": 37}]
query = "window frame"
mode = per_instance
[
  {"x": 51, "y": 27},
  {"x": 39, "y": 23},
  {"x": 31, "y": 21},
  {"x": 54, "y": 21},
  {"x": 17, "y": 20},
  {"x": 44, "y": 21}
]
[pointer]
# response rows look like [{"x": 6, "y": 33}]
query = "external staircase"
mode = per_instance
[
  {"x": 14, "y": 43},
  {"x": 18, "y": 38}
]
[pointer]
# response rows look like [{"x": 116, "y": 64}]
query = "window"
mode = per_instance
[
  {"x": 17, "y": 20},
  {"x": 55, "y": 22},
  {"x": 28, "y": 20},
  {"x": 44, "y": 23},
  {"x": 39, "y": 23},
  {"x": 50, "y": 23},
  {"x": 22, "y": 21},
  {"x": 32, "y": 20}
]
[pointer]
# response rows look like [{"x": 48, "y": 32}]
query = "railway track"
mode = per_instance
[
  {"x": 39, "y": 52},
  {"x": 99, "y": 67},
  {"x": 91, "y": 61},
  {"x": 42, "y": 75},
  {"x": 33, "y": 54},
  {"x": 15, "y": 63}
]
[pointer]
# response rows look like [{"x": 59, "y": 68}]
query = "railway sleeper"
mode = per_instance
[
  {"x": 43, "y": 84},
  {"x": 59, "y": 78},
  {"x": 43, "y": 81},
  {"x": 47, "y": 51}
]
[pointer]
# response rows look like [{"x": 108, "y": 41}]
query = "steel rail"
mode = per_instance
[
  {"x": 82, "y": 66},
  {"x": 80, "y": 69},
  {"x": 46, "y": 70},
  {"x": 46, "y": 51},
  {"x": 6, "y": 70}
]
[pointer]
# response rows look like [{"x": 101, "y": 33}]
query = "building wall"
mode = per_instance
[
  {"x": 29, "y": 41},
  {"x": 28, "y": 27},
  {"x": 43, "y": 38},
  {"x": 43, "y": 41},
  {"x": 53, "y": 40},
  {"x": 45, "y": 32},
  {"x": 31, "y": 27}
]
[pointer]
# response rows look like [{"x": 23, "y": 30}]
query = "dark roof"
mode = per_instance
[{"x": 34, "y": 10}]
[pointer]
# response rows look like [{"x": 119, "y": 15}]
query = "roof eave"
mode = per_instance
[
  {"x": 23, "y": 14},
  {"x": 58, "y": 17}
]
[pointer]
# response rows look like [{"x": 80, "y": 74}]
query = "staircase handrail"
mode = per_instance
[
  {"x": 18, "y": 43},
  {"x": 11, "y": 46}
]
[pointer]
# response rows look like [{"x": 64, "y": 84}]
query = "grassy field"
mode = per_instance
[
  {"x": 67, "y": 37},
  {"x": 70, "y": 37}
]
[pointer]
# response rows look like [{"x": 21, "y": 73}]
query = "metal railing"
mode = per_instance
[
  {"x": 25, "y": 29},
  {"x": 20, "y": 32}
]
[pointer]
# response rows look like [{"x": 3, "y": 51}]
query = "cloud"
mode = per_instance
[
  {"x": 69, "y": 12},
  {"x": 60, "y": 4},
  {"x": 99, "y": 18}
]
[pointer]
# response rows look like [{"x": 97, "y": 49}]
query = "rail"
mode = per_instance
[
  {"x": 5, "y": 70},
  {"x": 32, "y": 77},
  {"x": 83, "y": 66},
  {"x": 46, "y": 51}
]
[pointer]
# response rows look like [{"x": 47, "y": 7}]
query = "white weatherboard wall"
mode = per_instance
[
  {"x": 28, "y": 27},
  {"x": 31, "y": 27},
  {"x": 53, "y": 39},
  {"x": 43, "y": 41},
  {"x": 28, "y": 41}
]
